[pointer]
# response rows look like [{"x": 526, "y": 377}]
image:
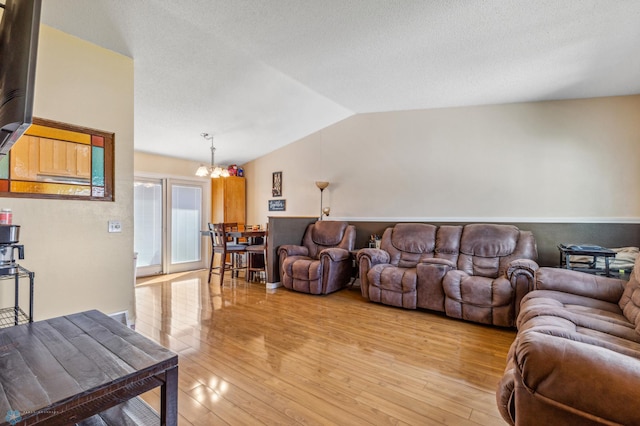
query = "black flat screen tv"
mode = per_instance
[{"x": 19, "y": 29}]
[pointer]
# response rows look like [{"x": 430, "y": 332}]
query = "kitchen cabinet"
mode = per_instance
[
  {"x": 37, "y": 159},
  {"x": 228, "y": 200},
  {"x": 61, "y": 158}
]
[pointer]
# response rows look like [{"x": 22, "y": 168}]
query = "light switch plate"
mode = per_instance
[{"x": 115, "y": 226}]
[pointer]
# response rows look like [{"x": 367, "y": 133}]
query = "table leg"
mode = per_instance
[{"x": 169, "y": 398}]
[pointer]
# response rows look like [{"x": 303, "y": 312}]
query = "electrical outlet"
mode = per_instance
[{"x": 115, "y": 226}]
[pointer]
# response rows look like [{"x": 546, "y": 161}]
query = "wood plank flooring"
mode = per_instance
[{"x": 250, "y": 356}]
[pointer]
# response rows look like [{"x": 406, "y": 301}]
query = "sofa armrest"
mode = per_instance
[
  {"x": 366, "y": 259},
  {"x": 561, "y": 379},
  {"x": 521, "y": 273},
  {"x": 373, "y": 255},
  {"x": 580, "y": 283},
  {"x": 287, "y": 250},
  {"x": 527, "y": 267},
  {"x": 335, "y": 254},
  {"x": 293, "y": 250}
]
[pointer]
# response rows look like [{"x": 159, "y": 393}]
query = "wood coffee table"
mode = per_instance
[{"x": 67, "y": 369}]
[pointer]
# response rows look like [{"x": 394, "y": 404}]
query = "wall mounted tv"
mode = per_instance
[{"x": 19, "y": 30}]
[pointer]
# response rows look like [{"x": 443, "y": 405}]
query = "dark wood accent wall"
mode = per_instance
[
  {"x": 283, "y": 230},
  {"x": 289, "y": 230}
]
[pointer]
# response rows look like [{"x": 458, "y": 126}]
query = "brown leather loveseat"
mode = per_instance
[
  {"x": 476, "y": 272},
  {"x": 576, "y": 357}
]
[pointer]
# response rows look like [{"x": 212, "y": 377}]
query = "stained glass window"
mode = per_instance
[{"x": 58, "y": 160}]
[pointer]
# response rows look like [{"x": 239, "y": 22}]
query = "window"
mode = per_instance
[{"x": 58, "y": 160}]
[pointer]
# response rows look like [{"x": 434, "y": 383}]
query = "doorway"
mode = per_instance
[{"x": 168, "y": 217}]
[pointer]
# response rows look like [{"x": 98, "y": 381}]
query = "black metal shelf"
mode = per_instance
[{"x": 14, "y": 315}]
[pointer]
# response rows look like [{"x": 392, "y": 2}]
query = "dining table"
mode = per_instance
[
  {"x": 237, "y": 235},
  {"x": 250, "y": 235}
]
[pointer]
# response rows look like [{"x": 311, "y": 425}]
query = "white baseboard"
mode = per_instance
[
  {"x": 271, "y": 286},
  {"x": 123, "y": 318}
]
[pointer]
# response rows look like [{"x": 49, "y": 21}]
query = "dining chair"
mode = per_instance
[
  {"x": 257, "y": 258},
  {"x": 220, "y": 244}
]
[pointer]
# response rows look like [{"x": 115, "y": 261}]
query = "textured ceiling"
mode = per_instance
[{"x": 260, "y": 74}]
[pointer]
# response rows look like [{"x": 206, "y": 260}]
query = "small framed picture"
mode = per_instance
[
  {"x": 276, "y": 184},
  {"x": 277, "y": 205}
]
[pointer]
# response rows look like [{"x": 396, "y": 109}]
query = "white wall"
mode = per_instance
[
  {"x": 78, "y": 264},
  {"x": 568, "y": 160}
]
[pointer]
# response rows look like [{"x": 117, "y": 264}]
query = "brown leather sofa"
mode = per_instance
[
  {"x": 576, "y": 357},
  {"x": 322, "y": 264},
  {"x": 476, "y": 272}
]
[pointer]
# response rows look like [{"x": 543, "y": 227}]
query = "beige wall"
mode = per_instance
[
  {"x": 158, "y": 165},
  {"x": 78, "y": 264},
  {"x": 547, "y": 161}
]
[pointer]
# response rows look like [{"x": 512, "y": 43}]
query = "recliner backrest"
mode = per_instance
[
  {"x": 326, "y": 234},
  {"x": 409, "y": 243},
  {"x": 487, "y": 249}
]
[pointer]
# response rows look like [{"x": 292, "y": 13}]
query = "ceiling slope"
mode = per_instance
[{"x": 260, "y": 74}]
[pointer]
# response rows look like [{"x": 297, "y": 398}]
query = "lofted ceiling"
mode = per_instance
[{"x": 260, "y": 74}]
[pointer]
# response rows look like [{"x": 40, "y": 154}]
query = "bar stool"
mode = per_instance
[
  {"x": 257, "y": 258},
  {"x": 220, "y": 244}
]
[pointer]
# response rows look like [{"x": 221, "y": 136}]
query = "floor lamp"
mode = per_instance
[{"x": 322, "y": 185}]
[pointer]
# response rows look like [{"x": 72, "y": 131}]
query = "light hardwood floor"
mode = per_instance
[{"x": 251, "y": 356}]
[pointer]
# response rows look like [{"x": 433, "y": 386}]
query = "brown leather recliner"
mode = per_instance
[
  {"x": 476, "y": 272},
  {"x": 322, "y": 264}
]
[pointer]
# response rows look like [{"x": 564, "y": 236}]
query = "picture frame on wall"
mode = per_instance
[
  {"x": 277, "y": 205},
  {"x": 276, "y": 184}
]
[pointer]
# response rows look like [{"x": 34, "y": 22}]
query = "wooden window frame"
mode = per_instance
[{"x": 109, "y": 165}]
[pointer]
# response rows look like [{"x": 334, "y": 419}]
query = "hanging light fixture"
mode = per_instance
[{"x": 213, "y": 170}]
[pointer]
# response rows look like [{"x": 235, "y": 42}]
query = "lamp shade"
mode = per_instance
[
  {"x": 202, "y": 171},
  {"x": 322, "y": 185}
]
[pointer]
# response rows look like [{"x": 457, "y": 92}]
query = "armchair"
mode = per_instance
[{"x": 322, "y": 263}]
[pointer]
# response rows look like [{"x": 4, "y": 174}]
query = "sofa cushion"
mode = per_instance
[
  {"x": 587, "y": 320},
  {"x": 448, "y": 242},
  {"x": 479, "y": 299},
  {"x": 488, "y": 240},
  {"x": 328, "y": 232},
  {"x": 409, "y": 243},
  {"x": 630, "y": 300},
  {"x": 391, "y": 285},
  {"x": 483, "y": 245},
  {"x": 414, "y": 238}
]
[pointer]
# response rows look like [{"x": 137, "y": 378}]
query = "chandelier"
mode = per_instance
[{"x": 212, "y": 170}]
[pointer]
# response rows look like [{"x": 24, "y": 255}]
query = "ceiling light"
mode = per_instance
[{"x": 213, "y": 170}]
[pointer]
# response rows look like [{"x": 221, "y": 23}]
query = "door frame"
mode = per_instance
[
  {"x": 166, "y": 181},
  {"x": 203, "y": 261},
  {"x": 156, "y": 269}
]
